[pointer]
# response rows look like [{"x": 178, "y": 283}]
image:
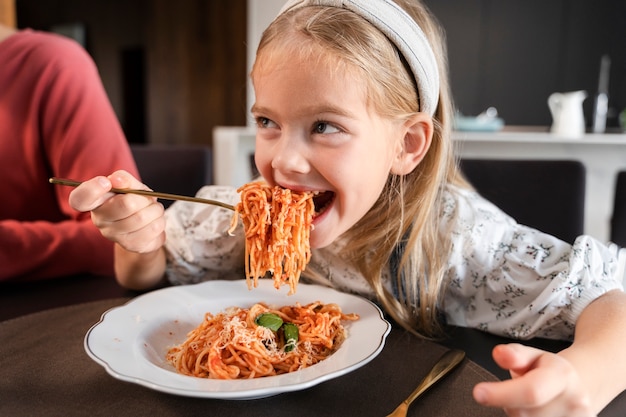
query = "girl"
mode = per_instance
[{"x": 352, "y": 101}]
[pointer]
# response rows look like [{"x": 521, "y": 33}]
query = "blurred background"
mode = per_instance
[{"x": 176, "y": 69}]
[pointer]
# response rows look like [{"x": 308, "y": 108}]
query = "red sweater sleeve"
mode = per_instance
[{"x": 60, "y": 123}]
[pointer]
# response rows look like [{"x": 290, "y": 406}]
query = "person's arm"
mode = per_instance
[
  {"x": 578, "y": 381},
  {"x": 139, "y": 271},
  {"x": 136, "y": 223},
  {"x": 84, "y": 139},
  {"x": 37, "y": 250},
  {"x": 66, "y": 127},
  {"x": 518, "y": 282},
  {"x": 598, "y": 349}
]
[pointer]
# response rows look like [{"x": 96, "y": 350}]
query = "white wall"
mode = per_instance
[{"x": 260, "y": 15}]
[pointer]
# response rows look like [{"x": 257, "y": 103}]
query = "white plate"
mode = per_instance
[{"x": 131, "y": 341}]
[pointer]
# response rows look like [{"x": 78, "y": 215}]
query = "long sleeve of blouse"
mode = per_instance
[
  {"x": 198, "y": 245},
  {"x": 512, "y": 280},
  {"x": 502, "y": 277}
]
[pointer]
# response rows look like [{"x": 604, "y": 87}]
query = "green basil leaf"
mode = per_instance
[
  {"x": 269, "y": 320},
  {"x": 291, "y": 336}
]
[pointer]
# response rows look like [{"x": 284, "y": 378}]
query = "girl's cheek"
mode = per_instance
[{"x": 262, "y": 166}]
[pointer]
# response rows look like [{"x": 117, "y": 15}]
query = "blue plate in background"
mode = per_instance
[{"x": 478, "y": 124}]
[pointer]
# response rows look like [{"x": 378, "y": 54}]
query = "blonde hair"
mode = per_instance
[{"x": 407, "y": 211}]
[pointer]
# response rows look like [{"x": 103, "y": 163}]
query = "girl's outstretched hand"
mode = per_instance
[
  {"x": 541, "y": 384},
  {"x": 135, "y": 222}
]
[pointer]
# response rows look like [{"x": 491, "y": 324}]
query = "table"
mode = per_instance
[
  {"x": 44, "y": 369},
  {"x": 20, "y": 298}
]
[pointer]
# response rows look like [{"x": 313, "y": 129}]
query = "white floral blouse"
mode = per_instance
[{"x": 503, "y": 277}]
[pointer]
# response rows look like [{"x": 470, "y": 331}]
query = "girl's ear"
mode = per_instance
[{"x": 418, "y": 134}]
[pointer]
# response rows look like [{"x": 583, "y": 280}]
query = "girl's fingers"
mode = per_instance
[
  {"x": 127, "y": 214},
  {"x": 516, "y": 358},
  {"x": 135, "y": 222},
  {"x": 141, "y": 231},
  {"x": 538, "y": 378},
  {"x": 91, "y": 194},
  {"x": 145, "y": 240},
  {"x": 122, "y": 179}
]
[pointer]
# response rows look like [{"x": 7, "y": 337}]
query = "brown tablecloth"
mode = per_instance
[{"x": 44, "y": 371}]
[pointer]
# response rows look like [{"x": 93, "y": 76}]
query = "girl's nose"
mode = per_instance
[{"x": 290, "y": 156}]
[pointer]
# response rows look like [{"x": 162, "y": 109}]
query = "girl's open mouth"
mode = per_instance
[{"x": 322, "y": 201}]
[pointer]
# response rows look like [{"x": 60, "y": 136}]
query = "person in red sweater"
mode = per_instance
[{"x": 55, "y": 120}]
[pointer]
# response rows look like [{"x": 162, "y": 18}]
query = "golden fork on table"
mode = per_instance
[
  {"x": 164, "y": 196},
  {"x": 444, "y": 365}
]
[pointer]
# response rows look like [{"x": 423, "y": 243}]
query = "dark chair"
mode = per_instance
[
  {"x": 618, "y": 218},
  {"x": 176, "y": 169},
  {"x": 548, "y": 195}
]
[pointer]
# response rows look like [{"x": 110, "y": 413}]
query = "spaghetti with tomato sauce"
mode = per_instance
[
  {"x": 277, "y": 224},
  {"x": 254, "y": 342}
]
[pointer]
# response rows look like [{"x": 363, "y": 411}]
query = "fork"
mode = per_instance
[
  {"x": 164, "y": 196},
  {"x": 444, "y": 365}
]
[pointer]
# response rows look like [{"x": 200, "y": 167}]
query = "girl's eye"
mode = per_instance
[
  {"x": 264, "y": 122},
  {"x": 324, "y": 127}
]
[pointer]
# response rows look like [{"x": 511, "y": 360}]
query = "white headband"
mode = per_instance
[{"x": 400, "y": 29}]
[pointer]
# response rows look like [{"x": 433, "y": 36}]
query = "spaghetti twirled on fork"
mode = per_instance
[{"x": 277, "y": 224}]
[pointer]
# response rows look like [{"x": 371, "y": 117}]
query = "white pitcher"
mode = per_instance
[{"x": 568, "y": 119}]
